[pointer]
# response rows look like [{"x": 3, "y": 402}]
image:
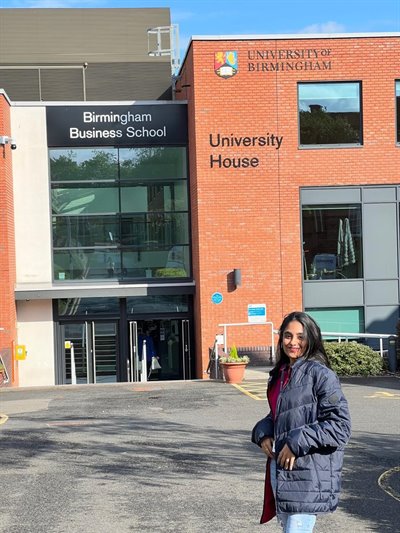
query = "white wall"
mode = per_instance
[
  {"x": 33, "y": 242},
  {"x": 35, "y": 330},
  {"x": 31, "y": 195}
]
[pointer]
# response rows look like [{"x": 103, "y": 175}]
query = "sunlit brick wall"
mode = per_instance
[
  {"x": 249, "y": 218},
  {"x": 7, "y": 247}
]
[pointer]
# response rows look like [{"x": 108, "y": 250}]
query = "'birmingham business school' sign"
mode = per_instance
[{"x": 127, "y": 125}]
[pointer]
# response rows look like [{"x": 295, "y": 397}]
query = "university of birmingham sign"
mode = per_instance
[{"x": 285, "y": 60}]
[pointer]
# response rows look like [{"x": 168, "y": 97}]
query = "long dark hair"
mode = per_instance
[{"x": 312, "y": 335}]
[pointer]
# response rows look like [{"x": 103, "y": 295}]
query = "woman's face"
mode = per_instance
[{"x": 293, "y": 342}]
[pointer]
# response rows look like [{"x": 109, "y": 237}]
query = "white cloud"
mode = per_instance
[{"x": 324, "y": 27}]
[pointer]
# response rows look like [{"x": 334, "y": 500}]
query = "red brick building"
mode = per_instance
[
  {"x": 7, "y": 257},
  {"x": 271, "y": 180},
  {"x": 245, "y": 191}
]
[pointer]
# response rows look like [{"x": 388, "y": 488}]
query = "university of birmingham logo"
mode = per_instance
[{"x": 225, "y": 64}]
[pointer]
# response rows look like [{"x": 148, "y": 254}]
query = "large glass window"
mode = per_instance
[
  {"x": 157, "y": 163},
  {"x": 159, "y": 304},
  {"x": 398, "y": 110},
  {"x": 330, "y": 113},
  {"x": 92, "y": 199},
  {"x": 120, "y": 213},
  {"x": 88, "y": 306},
  {"x": 81, "y": 164},
  {"x": 332, "y": 245}
]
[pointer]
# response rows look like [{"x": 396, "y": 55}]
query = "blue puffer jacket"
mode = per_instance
[{"x": 312, "y": 418}]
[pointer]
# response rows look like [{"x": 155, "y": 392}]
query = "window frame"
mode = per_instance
[
  {"x": 120, "y": 248},
  {"x": 330, "y": 145},
  {"x": 360, "y": 260}
]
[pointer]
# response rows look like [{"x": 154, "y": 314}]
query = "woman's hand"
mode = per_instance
[
  {"x": 266, "y": 445},
  {"x": 286, "y": 458}
]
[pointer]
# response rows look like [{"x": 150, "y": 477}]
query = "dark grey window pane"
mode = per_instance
[
  {"x": 77, "y": 200},
  {"x": 155, "y": 229},
  {"x": 160, "y": 304},
  {"x": 86, "y": 264},
  {"x": 156, "y": 163},
  {"x": 332, "y": 243},
  {"x": 171, "y": 196},
  {"x": 88, "y": 306},
  {"x": 89, "y": 264},
  {"x": 330, "y": 113},
  {"x": 83, "y": 164},
  {"x": 157, "y": 263},
  {"x": 85, "y": 231}
]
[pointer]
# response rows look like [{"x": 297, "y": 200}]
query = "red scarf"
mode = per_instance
[{"x": 269, "y": 506}]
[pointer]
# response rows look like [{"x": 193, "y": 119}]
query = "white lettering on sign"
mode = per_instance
[
  {"x": 94, "y": 133},
  {"x": 123, "y": 118}
]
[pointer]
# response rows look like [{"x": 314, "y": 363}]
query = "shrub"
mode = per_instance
[
  {"x": 353, "y": 359},
  {"x": 170, "y": 273}
]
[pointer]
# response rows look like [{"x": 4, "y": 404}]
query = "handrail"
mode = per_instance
[
  {"x": 357, "y": 335},
  {"x": 335, "y": 334},
  {"x": 344, "y": 335}
]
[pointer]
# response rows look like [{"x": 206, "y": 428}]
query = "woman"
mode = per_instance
[{"x": 306, "y": 430}]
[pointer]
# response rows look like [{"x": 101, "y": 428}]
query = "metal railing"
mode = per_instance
[
  {"x": 221, "y": 341},
  {"x": 340, "y": 336}
]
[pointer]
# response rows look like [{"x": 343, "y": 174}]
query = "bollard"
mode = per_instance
[{"x": 392, "y": 355}]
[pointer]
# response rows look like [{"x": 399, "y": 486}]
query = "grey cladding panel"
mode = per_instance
[
  {"x": 335, "y": 195},
  {"x": 333, "y": 294},
  {"x": 382, "y": 319},
  {"x": 61, "y": 36},
  {"x": 128, "y": 81},
  {"x": 385, "y": 292},
  {"x": 380, "y": 241},
  {"x": 20, "y": 85},
  {"x": 104, "y": 81},
  {"x": 379, "y": 194},
  {"x": 64, "y": 85}
]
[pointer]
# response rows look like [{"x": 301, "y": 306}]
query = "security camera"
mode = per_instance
[{"x": 8, "y": 140}]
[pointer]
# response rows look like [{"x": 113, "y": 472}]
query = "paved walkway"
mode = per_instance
[
  {"x": 167, "y": 457},
  {"x": 257, "y": 373}
]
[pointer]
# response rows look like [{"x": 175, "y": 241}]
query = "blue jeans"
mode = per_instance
[{"x": 291, "y": 522}]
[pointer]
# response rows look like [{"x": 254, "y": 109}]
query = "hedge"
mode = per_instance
[{"x": 353, "y": 359}]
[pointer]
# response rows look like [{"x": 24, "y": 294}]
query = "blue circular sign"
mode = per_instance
[{"x": 217, "y": 298}]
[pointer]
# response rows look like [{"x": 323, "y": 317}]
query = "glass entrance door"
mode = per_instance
[
  {"x": 166, "y": 340},
  {"x": 90, "y": 352}
]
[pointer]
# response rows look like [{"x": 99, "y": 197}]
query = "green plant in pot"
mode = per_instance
[{"x": 233, "y": 365}]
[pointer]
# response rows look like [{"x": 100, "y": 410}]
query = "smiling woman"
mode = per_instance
[
  {"x": 294, "y": 344},
  {"x": 306, "y": 430}
]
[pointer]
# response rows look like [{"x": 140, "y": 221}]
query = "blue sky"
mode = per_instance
[{"x": 233, "y": 17}]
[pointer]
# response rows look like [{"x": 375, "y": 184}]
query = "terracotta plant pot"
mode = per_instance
[{"x": 233, "y": 372}]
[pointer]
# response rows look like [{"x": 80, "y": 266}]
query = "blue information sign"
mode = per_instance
[
  {"x": 257, "y": 313},
  {"x": 217, "y": 298}
]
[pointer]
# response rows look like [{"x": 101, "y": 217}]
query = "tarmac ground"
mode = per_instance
[{"x": 177, "y": 457}]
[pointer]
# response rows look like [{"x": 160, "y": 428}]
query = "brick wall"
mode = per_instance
[
  {"x": 249, "y": 218},
  {"x": 7, "y": 248}
]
